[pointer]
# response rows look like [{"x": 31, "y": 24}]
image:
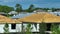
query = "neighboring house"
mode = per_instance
[
  {"x": 39, "y": 10},
  {"x": 2, "y": 13},
  {"x": 13, "y": 13},
  {"x": 55, "y": 13},
  {"x": 49, "y": 10},
  {"x": 23, "y": 12},
  {"x": 21, "y": 15}
]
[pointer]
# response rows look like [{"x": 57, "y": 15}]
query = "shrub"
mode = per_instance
[
  {"x": 55, "y": 29},
  {"x": 28, "y": 29},
  {"x": 6, "y": 28}
]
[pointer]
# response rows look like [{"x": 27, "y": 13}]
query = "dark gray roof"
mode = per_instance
[
  {"x": 2, "y": 13},
  {"x": 21, "y": 15},
  {"x": 12, "y": 12},
  {"x": 39, "y": 10},
  {"x": 55, "y": 13}
]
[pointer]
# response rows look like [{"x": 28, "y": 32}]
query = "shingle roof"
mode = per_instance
[
  {"x": 21, "y": 15},
  {"x": 41, "y": 17},
  {"x": 4, "y": 19},
  {"x": 12, "y": 12}
]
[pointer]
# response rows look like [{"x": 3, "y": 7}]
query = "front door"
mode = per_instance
[{"x": 49, "y": 27}]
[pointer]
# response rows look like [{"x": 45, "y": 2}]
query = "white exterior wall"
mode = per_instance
[
  {"x": 18, "y": 28},
  {"x": 34, "y": 29},
  {"x": 10, "y": 30},
  {"x": 1, "y": 28}
]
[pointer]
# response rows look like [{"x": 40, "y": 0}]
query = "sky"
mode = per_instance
[{"x": 37, "y": 3}]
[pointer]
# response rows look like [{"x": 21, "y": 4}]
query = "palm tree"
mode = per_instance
[
  {"x": 31, "y": 6},
  {"x": 17, "y": 5},
  {"x": 30, "y": 9},
  {"x": 53, "y": 9},
  {"x": 18, "y": 8}
]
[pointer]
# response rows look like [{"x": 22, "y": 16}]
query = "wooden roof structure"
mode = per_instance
[
  {"x": 41, "y": 17},
  {"x": 50, "y": 18},
  {"x": 4, "y": 20}
]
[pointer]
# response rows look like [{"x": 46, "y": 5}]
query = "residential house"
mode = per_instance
[
  {"x": 13, "y": 13},
  {"x": 39, "y": 18},
  {"x": 2, "y": 13},
  {"x": 36, "y": 18},
  {"x": 55, "y": 13},
  {"x": 39, "y": 10},
  {"x": 49, "y": 10},
  {"x": 21, "y": 15}
]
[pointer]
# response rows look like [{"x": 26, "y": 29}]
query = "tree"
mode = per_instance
[
  {"x": 55, "y": 28},
  {"x": 17, "y": 5},
  {"x": 6, "y": 28},
  {"x": 53, "y": 9},
  {"x": 30, "y": 9},
  {"x": 18, "y": 8},
  {"x": 6, "y": 9},
  {"x": 37, "y": 8},
  {"x": 28, "y": 29}
]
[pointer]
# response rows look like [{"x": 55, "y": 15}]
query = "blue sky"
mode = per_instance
[{"x": 38, "y": 3}]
